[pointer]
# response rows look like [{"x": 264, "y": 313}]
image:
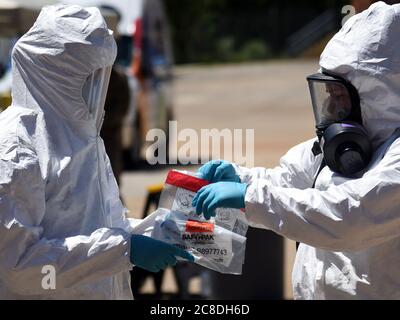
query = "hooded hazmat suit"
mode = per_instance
[
  {"x": 59, "y": 202},
  {"x": 349, "y": 228}
]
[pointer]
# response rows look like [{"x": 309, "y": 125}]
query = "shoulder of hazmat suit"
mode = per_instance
[
  {"x": 63, "y": 234},
  {"x": 349, "y": 228}
]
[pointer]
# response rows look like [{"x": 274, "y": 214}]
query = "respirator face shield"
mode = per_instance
[
  {"x": 94, "y": 93},
  {"x": 342, "y": 139},
  {"x": 333, "y": 100}
]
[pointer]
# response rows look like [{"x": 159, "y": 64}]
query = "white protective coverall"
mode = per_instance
[
  {"x": 349, "y": 228},
  {"x": 59, "y": 202}
]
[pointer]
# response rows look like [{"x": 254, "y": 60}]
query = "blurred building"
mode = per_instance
[
  {"x": 361, "y": 5},
  {"x": 235, "y": 31},
  {"x": 311, "y": 39}
]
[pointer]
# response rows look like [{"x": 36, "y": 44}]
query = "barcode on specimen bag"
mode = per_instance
[{"x": 202, "y": 237}]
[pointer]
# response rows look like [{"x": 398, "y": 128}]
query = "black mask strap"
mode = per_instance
[
  {"x": 323, "y": 165},
  {"x": 316, "y": 149}
]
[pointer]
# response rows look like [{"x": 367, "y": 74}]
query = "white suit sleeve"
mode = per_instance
[
  {"x": 23, "y": 249},
  {"x": 297, "y": 169},
  {"x": 354, "y": 215},
  {"x": 133, "y": 223}
]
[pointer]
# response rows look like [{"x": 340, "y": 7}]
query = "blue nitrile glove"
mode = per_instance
[
  {"x": 218, "y": 170},
  {"x": 219, "y": 195},
  {"x": 154, "y": 255}
]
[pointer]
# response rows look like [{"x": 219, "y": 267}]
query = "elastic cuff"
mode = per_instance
[
  {"x": 127, "y": 246},
  {"x": 243, "y": 173}
]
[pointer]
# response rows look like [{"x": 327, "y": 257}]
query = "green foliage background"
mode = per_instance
[{"x": 238, "y": 30}]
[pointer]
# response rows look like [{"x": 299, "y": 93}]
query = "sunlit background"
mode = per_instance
[{"x": 208, "y": 64}]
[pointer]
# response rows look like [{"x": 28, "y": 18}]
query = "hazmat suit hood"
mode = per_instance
[
  {"x": 56, "y": 57},
  {"x": 366, "y": 52}
]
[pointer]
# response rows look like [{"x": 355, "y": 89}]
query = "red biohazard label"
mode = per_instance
[
  {"x": 193, "y": 226},
  {"x": 185, "y": 181}
]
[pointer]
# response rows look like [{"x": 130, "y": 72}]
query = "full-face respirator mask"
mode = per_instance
[{"x": 342, "y": 139}]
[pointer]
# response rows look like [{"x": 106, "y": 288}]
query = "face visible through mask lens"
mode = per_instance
[
  {"x": 94, "y": 93},
  {"x": 338, "y": 102},
  {"x": 331, "y": 99}
]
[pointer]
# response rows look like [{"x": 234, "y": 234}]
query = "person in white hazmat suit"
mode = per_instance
[
  {"x": 339, "y": 195},
  {"x": 60, "y": 211}
]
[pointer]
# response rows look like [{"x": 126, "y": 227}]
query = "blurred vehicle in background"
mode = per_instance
[
  {"x": 16, "y": 18},
  {"x": 144, "y": 53},
  {"x": 152, "y": 66}
]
